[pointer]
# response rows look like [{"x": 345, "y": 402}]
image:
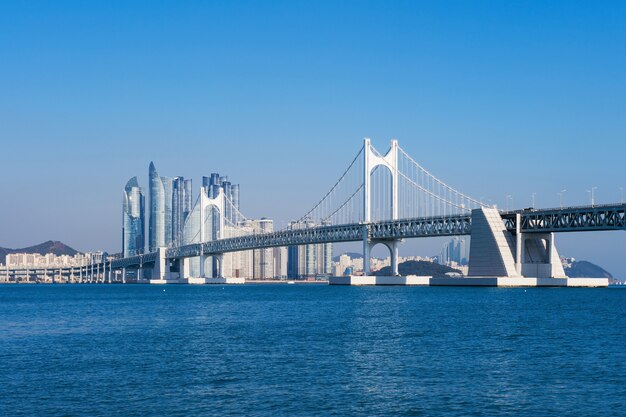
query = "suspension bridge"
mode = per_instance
[{"x": 380, "y": 199}]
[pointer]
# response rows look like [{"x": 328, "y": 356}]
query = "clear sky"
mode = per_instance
[{"x": 495, "y": 98}]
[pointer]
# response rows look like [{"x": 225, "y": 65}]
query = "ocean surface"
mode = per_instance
[{"x": 286, "y": 350}]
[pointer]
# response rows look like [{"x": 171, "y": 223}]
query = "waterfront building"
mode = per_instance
[
  {"x": 234, "y": 198},
  {"x": 281, "y": 257},
  {"x": 238, "y": 264},
  {"x": 50, "y": 260},
  {"x": 309, "y": 261},
  {"x": 263, "y": 259},
  {"x": 169, "y": 209},
  {"x": 344, "y": 264},
  {"x": 168, "y": 213},
  {"x": 156, "y": 232},
  {"x": 455, "y": 251},
  {"x": 213, "y": 184},
  {"x": 133, "y": 219},
  {"x": 181, "y": 206},
  {"x": 187, "y": 200}
]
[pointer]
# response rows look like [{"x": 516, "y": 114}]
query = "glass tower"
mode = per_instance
[
  {"x": 181, "y": 206},
  {"x": 133, "y": 219},
  {"x": 188, "y": 200},
  {"x": 169, "y": 191},
  {"x": 156, "y": 230}
]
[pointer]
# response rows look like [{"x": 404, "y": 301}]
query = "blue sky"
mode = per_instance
[{"x": 496, "y": 98}]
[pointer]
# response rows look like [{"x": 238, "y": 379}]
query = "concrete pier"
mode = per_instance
[
  {"x": 469, "y": 281},
  {"x": 200, "y": 281}
]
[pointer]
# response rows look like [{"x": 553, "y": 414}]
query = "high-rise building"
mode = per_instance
[
  {"x": 170, "y": 206},
  {"x": 181, "y": 206},
  {"x": 133, "y": 219},
  {"x": 455, "y": 251},
  {"x": 234, "y": 198},
  {"x": 308, "y": 261},
  {"x": 156, "y": 232},
  {"x": 263, "y": 259},
  {"x": 169, "y": 192},
  {"x": 280, "y": 262},
  {"x": 213, "y": 184},
  {"x": 188, "y": 200}
]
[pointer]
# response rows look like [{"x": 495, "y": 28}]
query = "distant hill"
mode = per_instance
[
  {"x": 51, "y": 246},
  {"x": 422, "y": 268},
  {"x": 584, "y": 269}
]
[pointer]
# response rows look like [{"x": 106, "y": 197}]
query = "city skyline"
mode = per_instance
[
  {"x": 556, "y": 97},
  {"x": 173, "y": 219}
]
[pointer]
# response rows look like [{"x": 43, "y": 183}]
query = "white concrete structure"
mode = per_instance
[
  {"x": 215, "y": 281},
  {"x": 360, "y": 280},
  {"x": 496, "y": 252},
  {"x": 371, "y": 161},
  {"x": 469, "y": 281}
]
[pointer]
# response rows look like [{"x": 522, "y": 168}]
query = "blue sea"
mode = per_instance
[{"x": 309, "y": 350}]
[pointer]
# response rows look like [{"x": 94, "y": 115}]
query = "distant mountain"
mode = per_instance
[
  {"x": 422, "y": 268},
  {"x": 51, "y": 246},
  {"x": 584, "y": 269}
]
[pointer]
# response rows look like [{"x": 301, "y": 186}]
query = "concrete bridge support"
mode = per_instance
[
  {"x": 539, "y": 257},
  {"x": 161, "y": 270},
  {"x": 391, "y": 244},
  {"x": 220, "y": 265},
  {"x": 497, "y": 252},
  {"x": 183, "y": 268}
]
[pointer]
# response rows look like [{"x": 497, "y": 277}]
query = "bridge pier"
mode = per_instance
[
  {"x": 183, "y": 268},
  {"x": 161, "y": 270},
  {"x": 220, "y": 265},
  {"x": 203, "y": 259},
  {"x": 495, "y": 252},
  {"x": 391, "y": 244},
  {"x": 366, "y": 256}
]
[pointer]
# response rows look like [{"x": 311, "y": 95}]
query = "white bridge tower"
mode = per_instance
[{"x": 372, "y": 160}]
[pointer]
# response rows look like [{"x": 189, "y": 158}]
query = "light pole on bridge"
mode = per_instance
[
  {"x": 621, "y": 195},
  {"x": 509, "y": 197},
  {"x": 533, "y": 200},
  {"x": 592, "y": 195}
]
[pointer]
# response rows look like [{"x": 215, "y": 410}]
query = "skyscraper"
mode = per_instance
[
  {"x": 307, "y": 261},
  {"x": 454, "y": 251},
  {"x": 169, "y": 194},
  {"x": 263, "y": 258},
  {"x": 178, "y": 202},
  {"x": 133, "y": 219},
  {"x": 188, "y": 200},
  {"x": 234, "y": 198},
  {"x": 156, "y": 232}
]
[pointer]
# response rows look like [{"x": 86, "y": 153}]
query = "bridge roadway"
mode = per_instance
[{"x": 570, "y": 219}]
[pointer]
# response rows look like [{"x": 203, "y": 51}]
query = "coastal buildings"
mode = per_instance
[
  {"x": 348, "y": 265},
  {"x": 455, "y": 251},
  {"x": 156, "y": 230},
  {"x": 50, "y": 260},
  {"x": 212, "y": 185},
  {"x": 175, "y": 217},
  {"x": 309, "y": 261},
  {"x": 133, "y": 219},
  {"x": 182, "y": 201}
]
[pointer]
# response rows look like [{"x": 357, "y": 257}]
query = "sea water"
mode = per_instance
[{"x": 283, "y": 350}]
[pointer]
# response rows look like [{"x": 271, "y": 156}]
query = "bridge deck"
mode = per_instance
[{"x": 571, "y": 219}]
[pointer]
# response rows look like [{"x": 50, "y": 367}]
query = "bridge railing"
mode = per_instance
[{"x": 564, "y": 208}]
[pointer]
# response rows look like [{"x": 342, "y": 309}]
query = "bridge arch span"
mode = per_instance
[{"x": 391, "y": 244}]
